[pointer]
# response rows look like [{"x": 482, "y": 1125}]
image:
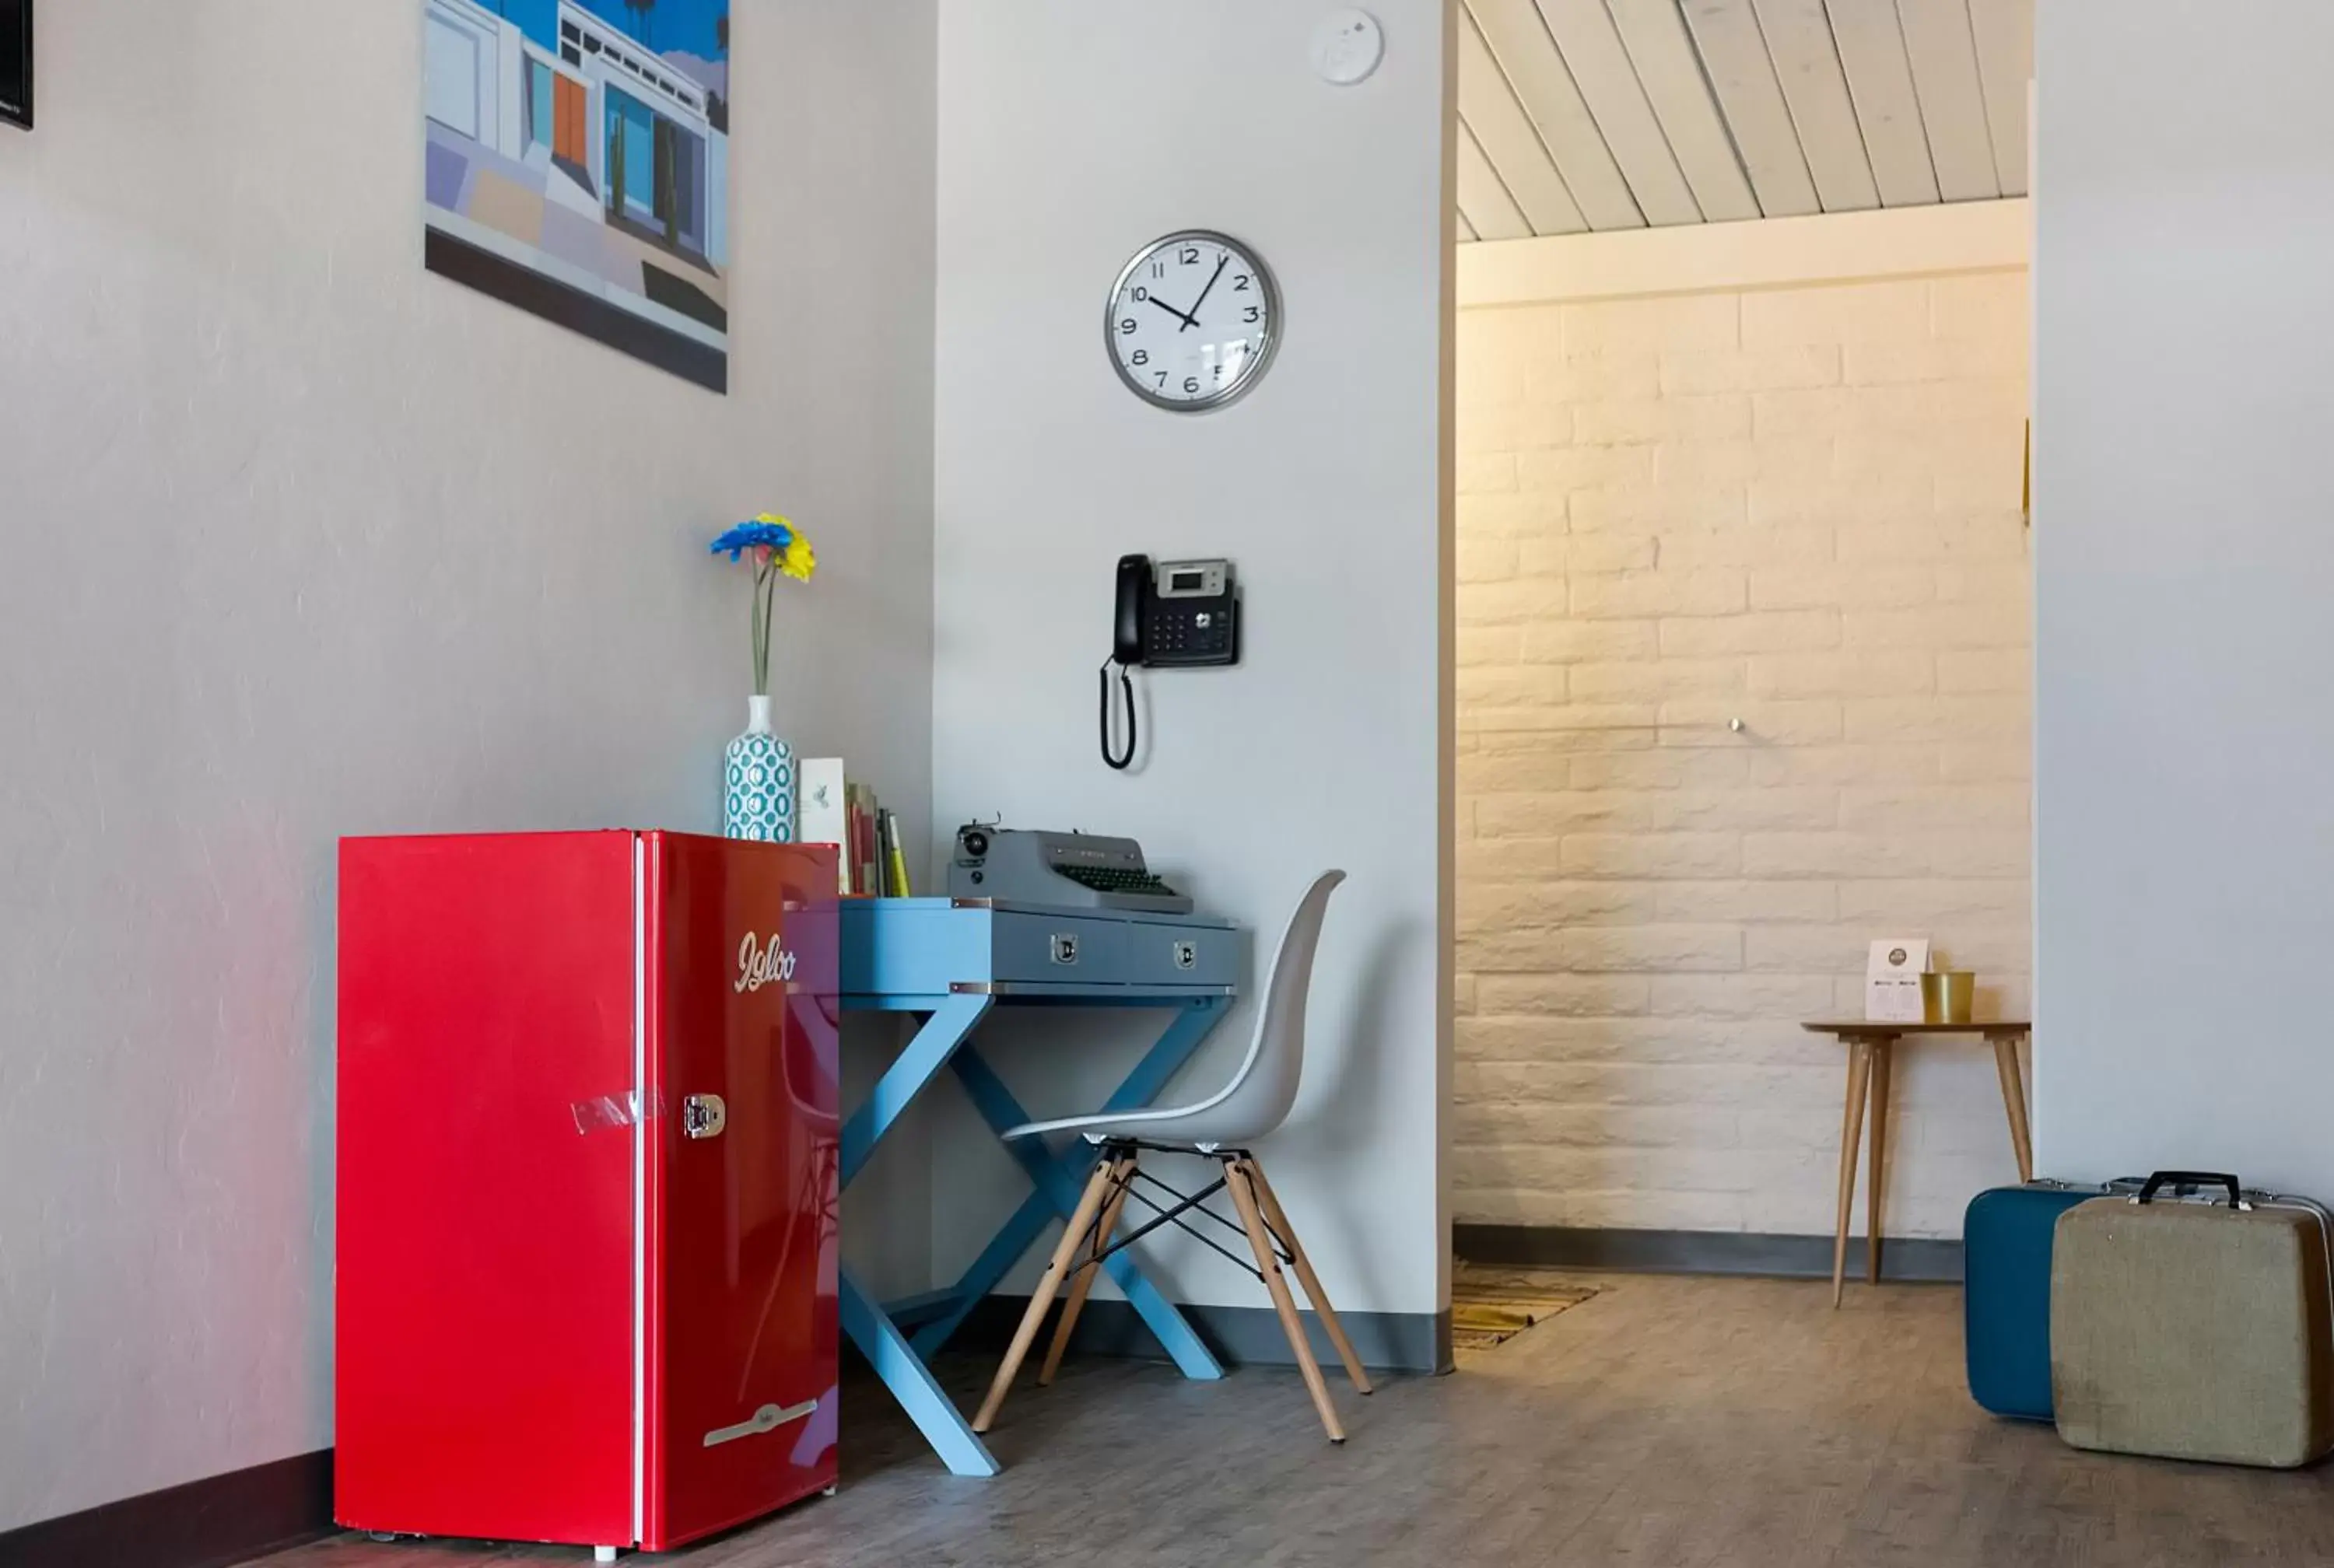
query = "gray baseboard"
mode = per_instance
[
  {"x": 223, "y": 1519},
  {"x": 1240, "y": 1336},
  {"x": 1910, "y": 1260}
]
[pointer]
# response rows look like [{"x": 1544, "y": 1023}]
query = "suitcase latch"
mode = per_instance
[{"x": 704, "y": 1116}]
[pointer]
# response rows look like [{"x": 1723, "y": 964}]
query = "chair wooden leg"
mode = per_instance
[
  {"x": 1876, "y": 1192},
  {"x": 1277, "y": 1218},
  {"x": 1122, "y": 1176},
  {"x": 2013, "y": 1102},
  {"x": 1089, "y": 1206},
  {"x": 1268, "y": 1263},
  {"x": 1851, "y": 1133}
]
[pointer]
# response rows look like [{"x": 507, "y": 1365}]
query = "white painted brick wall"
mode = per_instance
[{"x": 1794, "y": 507}]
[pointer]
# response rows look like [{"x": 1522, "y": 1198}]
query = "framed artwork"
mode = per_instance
[
  {"x": 577, "y": 166},
  {"x": 17, "y": 62}
]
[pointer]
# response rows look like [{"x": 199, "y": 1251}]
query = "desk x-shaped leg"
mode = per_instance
[{"x": 1058, "y": 1178}]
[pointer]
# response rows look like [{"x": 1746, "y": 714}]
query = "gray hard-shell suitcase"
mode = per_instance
[{"x": 2192, "y": 1329}]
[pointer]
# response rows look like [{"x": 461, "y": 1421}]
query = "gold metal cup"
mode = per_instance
[{"x": 1949, "y": 997}]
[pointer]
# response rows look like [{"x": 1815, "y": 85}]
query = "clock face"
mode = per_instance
[{"x": 1193, "y": 321}]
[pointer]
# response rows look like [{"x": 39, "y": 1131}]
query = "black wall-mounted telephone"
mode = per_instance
[{"x": 1176, "y": 614}]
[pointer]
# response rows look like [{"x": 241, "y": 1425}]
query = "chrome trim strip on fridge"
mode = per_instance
[{"x": 639, "y": 1186}]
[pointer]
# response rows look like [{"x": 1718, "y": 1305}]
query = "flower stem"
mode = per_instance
[
  {"x": 753, "y": 629},
  {"x": 764, "y": 582}
]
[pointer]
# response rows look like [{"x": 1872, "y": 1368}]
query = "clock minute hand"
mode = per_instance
[
  {"x": 1171, "y": 311},
  {"x": 1193, "y": 319}
]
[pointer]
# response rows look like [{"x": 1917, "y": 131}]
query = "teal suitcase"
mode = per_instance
[{"x": 2006, "y": 1239}]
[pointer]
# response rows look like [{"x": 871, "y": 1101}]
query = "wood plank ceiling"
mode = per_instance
[{"x": 1580, "y": 115}]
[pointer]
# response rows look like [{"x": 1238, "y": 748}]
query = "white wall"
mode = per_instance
[
  {"x": 301, "y": 542},
  {"x": 2183, "y": 553},
  {"x": 1783, "y": 488},
  {"x": 1072, "y": 133}
]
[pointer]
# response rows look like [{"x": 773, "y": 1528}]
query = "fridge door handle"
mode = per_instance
[
  {"x": 769, "y": 1418},
  {"x": 704, "y": 1116}
]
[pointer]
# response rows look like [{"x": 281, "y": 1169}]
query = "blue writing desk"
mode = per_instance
[{"x": 954, "y": 960}]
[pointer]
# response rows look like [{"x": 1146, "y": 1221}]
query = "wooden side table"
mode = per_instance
[{"x": 1870, "y": 1047}]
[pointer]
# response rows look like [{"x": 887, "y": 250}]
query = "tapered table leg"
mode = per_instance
[
  {"x": 2013, "y": 1100},
  {"x": 1883, "y": 1053},
  {"x": 1851, "y": 1134}
]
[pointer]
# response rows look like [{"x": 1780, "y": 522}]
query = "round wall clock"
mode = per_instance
[{"x": 1193, "y": 321}]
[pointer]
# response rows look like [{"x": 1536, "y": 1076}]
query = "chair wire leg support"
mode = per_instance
[{"x": 1186, "y": 1204}]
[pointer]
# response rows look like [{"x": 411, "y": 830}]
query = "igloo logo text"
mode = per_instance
[{"x": 761, "y": 963}]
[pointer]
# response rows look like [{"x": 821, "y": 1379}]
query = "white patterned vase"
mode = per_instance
[{"x": 758, "y": 803}]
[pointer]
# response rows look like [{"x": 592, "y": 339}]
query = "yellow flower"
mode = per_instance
[{"x": 799, "y": 561}]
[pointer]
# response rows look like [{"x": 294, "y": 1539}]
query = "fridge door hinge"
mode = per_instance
[{"x": 704, "y": 1116}]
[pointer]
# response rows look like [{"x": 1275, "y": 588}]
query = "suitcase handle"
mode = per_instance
[{"x": 2193, "y": 1178}]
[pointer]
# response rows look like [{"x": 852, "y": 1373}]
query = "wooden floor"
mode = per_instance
[{"x": 1710, "y": 1423}]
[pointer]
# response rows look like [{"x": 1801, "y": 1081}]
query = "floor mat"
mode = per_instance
[{"x": 1489, "y": 1306}]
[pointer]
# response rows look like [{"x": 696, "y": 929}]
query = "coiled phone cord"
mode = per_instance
[{"x": 1126, "y": 685}]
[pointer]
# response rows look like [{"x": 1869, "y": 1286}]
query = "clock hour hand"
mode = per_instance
[
  {"x": 1171, "y": 310},
  {"x": 1193, "y": 319}
]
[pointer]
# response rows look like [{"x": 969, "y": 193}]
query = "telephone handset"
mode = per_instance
[
  {"x": 1133, "y": 583},
  {"x": 1178, "y": 613}
]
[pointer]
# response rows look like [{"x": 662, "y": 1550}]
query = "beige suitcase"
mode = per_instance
[{"x": 2195, "y": 1330}]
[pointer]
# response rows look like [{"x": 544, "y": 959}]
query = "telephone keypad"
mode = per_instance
[{"x": 1180, "y": 635}]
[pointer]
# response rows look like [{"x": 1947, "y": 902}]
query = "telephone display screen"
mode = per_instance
[{"x": 1184, "y": 582}]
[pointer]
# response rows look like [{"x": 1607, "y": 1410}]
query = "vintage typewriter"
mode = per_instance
[{"x": 1069, "y": 871}]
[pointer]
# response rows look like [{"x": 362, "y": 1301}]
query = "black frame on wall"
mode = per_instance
[{"x": 17, "y": 62}]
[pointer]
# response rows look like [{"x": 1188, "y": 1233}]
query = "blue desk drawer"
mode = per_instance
[
  {"x": 931, "y": 947},
  {"x": 1063, "y": 948},
  {"x": 1181, "y": 954}
]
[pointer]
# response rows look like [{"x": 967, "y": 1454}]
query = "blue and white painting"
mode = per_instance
[{"x": 578, "y": 165}]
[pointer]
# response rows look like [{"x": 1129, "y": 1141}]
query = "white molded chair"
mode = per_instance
[{"x": 1220, "y": 1127}]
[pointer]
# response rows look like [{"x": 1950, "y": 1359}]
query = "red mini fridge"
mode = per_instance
[{"x": 587, "y": 1162}]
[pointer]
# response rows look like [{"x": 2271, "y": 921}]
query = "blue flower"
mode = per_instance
[{"x": 759, "y": 534}]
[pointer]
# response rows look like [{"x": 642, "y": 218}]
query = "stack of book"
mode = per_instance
[{"x": 838, "y": 809}]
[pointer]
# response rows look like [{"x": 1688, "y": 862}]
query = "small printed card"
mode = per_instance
[{"x": 1892, "y": 980}]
